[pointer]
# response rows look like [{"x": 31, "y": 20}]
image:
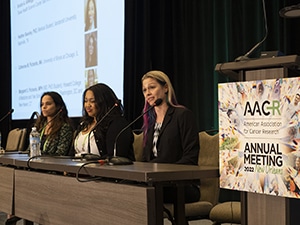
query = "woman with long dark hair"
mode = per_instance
[
  {"x": 54, "y": 125},
  {"x": 101, "y": 123}
]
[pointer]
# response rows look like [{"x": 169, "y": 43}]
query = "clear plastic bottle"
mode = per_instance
[{"x": 34, "y": 142}]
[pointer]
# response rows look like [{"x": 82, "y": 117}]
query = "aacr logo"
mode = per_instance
[{"x": 266, "y": 108}]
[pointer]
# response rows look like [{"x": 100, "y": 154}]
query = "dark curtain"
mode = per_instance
[
  {"x": 187, "y": 38},
  {"x": 5, "y": 89}
]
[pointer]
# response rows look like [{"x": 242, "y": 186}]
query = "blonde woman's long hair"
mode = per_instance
[
  {"x": 150, "y": 117},
  {"x": 163, "y": 79}
]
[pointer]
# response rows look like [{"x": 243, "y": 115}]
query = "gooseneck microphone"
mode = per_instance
[
  {"x": 36, "y": 114},
  {"x": 7, "y": 114},
  {"x": 246, "y": 56},
  {"x": 116, "y": 160},
  {"x": 59, "y": 111},
  {"x": 117, "y": 103}
]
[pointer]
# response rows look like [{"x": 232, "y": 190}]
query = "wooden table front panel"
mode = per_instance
[{"x": 56, "y": 199}]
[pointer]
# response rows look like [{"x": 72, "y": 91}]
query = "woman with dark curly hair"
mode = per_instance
[{"x": 101, "y": 123}]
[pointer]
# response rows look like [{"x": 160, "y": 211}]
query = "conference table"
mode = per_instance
[{"x": 62, "y": 190}]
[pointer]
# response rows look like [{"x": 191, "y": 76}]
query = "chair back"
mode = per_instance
[
  {"x": 209, "y": 156},
  {"x": 209, "y": 188},
  {"x": 16, "y": 140}
]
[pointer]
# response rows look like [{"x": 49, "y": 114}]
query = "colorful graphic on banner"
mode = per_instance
[{"x": 260, "y": 136}]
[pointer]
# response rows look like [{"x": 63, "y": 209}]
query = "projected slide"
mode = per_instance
[{"x": 64, "y": 46}]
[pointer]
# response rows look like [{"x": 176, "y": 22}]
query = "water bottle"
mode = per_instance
[{"x": 34, "y": 142}]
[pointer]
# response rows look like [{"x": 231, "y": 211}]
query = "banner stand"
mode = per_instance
[{"x": 261, "y": 208}]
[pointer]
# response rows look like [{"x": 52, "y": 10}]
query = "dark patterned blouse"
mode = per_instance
[{"x": 59, "y": 145}]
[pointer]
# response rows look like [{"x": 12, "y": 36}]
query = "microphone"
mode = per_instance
[
  {"x": 245, "y": 57},
  {"x": 7, "y": 114},
  {"x": 90, "y": 156},
  {"x": 116, "y": 160},
  {"x": 44, "y": 127},
  {"x": 59, "y": 111},
  {"x": 35, "y": 113}
]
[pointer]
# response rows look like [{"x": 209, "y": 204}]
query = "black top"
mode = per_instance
[
  {"x": 178, "y": 140},
  {"x": 105, "y": 139}
]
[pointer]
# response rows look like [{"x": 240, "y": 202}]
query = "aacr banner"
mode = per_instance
[{"x": 260, "y": 136}]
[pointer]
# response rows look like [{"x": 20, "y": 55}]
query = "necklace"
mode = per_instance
[{"x": 77, "y": 142}]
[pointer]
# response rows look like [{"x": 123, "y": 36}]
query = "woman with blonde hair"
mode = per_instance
[{"x": 170, "y": 132}]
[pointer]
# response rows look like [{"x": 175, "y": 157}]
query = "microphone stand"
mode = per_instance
[
  {"x": 245, "y": 57},
  {"x": 117, "y": 160},
  {"x": 89, "y": 156},
  {"x": 7, "y": 114},
  {"x": 9, "y": 124}
]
